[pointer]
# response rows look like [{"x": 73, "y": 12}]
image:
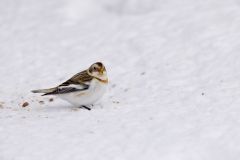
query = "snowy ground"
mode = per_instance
[{"x": 174, "y": 72}]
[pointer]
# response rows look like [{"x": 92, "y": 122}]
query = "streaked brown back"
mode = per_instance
[{"x": 79, "y": 78}]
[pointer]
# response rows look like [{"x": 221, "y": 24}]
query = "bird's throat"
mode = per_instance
[{"x": 102, "y": 80}]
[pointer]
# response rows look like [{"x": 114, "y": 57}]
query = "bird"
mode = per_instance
[{"x": 83, "y": 89}]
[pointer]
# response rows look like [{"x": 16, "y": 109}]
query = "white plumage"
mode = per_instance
[{"x": 87, "y": 97}]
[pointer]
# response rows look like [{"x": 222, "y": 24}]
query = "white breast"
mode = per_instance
[{"x": 87, "y": 97}]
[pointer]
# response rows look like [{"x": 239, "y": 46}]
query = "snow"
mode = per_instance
[{"x": 174, "y": 79}]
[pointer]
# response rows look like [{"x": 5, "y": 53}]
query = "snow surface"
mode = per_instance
[{"x": 174, "y": 79}]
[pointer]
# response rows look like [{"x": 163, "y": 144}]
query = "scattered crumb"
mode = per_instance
[
  {"x": 143, "y": 73},
  {"x": 25, "y": 104},
  {"x": 51, "y": 100},
  {"x": 114, "y": 85},
  {"x": 125, "y": 90},
  {"x": 117, "y": 102},
  {"x": 41, "y": 102},
  {"x": 1, "y": 104},
  {"x": 91, "y": 132},
  {"x": 203, "y": 94}
]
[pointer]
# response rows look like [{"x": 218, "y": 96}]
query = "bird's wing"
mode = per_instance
[
  {"x": 78, "y": 82},
  {"x": 67, "y": 89},
  {"x": 81, "y": 78}
]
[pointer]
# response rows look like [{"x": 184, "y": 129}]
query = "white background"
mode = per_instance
[{"x": 174, "y": 71}]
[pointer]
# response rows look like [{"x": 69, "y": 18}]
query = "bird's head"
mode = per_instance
[{"x": 98, "y": 70}]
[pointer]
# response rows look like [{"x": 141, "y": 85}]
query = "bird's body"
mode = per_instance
[
  {"x": 86, "y": 97},
  {"x": 84, "y": 88}
]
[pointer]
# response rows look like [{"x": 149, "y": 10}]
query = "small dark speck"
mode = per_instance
[
  {"x": 143, "y": 73},
  {"x": 25, "y": 104},
  {"x": 41, "y": 102},
  {"x": 117, "y": 102},
  {"x": 114, "y": 85},
  {"x": 203, "y": 94},
  {"x": 51, "y": 100},
  {"x": 91, "y": 132},
  {"x": 1, "y": 104},
  {"x": 125, "y": 90}
]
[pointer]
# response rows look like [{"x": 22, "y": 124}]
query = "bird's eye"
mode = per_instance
[{"x": 94, "y": 68}]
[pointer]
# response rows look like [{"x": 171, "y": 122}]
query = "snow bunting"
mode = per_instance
[{"x": 83, "y": 89}]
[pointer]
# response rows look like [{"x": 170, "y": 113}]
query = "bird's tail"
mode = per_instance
[{"x": 49, "y": 90}]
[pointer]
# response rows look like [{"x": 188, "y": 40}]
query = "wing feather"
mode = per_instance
[
  {"x": 78, "y": 82},
  {"x": 80, "y": 78},
  {"x": 63, "y": 90}
]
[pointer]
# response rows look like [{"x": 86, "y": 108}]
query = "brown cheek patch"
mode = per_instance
[{"x": 90, "y": 70}]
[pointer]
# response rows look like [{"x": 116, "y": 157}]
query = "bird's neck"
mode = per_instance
[{"x": 102, "y": 80}]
